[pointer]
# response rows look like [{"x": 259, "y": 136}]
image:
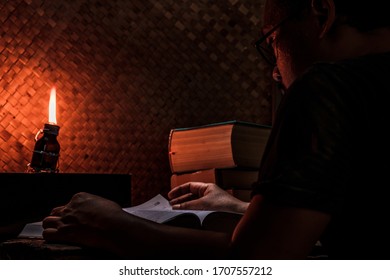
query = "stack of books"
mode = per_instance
[{"x": 227, "y": 154}]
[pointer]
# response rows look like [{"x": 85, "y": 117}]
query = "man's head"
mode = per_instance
[{"x": 322, "y": 30}]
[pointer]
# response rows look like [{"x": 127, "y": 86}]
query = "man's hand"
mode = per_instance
[
  {"x": 85, "y": 220},
  {"x": 204, "y": 196}
]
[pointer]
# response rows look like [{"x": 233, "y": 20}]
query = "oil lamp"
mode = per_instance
[{"x": 47, "y": 149}]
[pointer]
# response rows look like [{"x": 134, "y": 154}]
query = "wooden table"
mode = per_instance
[{"x": 39, "y": 249}]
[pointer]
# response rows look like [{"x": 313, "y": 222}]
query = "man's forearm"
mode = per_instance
[{"x": 145, "y": 239}]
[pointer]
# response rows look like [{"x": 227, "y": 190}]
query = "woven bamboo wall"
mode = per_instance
[{"x": 126, "y": 72}]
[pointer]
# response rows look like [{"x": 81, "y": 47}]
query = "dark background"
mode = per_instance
[{"x": 126, "y": 73}]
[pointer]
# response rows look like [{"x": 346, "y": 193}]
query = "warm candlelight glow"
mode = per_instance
[{"x": 52, "y": 107}]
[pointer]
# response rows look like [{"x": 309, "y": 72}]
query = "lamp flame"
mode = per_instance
[{"x": 52, "y": 107}]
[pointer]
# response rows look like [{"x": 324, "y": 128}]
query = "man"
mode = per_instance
[{"x": 323, "y": 174}]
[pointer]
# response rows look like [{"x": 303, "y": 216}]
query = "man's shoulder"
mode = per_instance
[
  {"x": 365, "y": 64},
  {"x": 348, "y": 74}
]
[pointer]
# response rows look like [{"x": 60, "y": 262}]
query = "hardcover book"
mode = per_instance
[
  {"x": 218, "y": 145},
  {"x": 225, "y": 178}
]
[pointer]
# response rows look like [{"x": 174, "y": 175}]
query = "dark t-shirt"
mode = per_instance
[{"x": 329, "y": 151}]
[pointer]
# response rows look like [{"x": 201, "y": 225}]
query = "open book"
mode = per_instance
[{"x": 160, "y": 211}]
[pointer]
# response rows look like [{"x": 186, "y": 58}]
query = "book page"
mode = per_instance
[
  {"x": 32, "y": 230},
  {"x": 160, "y": 211},
  {"x": 156, "y": 203}
]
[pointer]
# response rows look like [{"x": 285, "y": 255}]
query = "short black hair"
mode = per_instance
[
  {"x": 362, "y": 15},
  {"x": 280, "y": 9}
]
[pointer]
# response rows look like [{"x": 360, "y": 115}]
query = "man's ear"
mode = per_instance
[{"x": 325, "y": 12}]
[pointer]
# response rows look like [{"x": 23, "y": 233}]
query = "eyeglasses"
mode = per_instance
[{"x": 264, "y": 48}]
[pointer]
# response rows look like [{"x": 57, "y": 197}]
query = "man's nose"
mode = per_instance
[
  {"x": 278, "y": 79},
  {"x": 276, "y": 75}
]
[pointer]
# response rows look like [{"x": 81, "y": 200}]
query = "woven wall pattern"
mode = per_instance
[{"x": 126, "y": 72}]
